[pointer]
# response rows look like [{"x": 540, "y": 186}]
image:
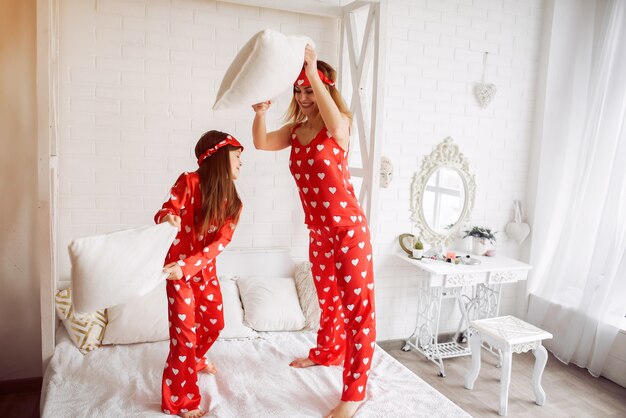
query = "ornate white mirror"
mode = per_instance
[{"x": 442, "y": 195}]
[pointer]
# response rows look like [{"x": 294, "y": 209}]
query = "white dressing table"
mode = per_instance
[{"x": 439, "y": 280}]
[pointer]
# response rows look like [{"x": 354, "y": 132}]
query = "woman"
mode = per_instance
[
  {"x": 205, "y": 206},
  {"x": 318, "y": 131}
]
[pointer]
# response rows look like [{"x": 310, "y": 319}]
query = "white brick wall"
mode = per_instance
[
  {"x": 138, "y": 78},
  {"x": 434, "y": 57}
]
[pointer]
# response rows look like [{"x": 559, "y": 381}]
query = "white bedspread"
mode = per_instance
[{"x": 254, "y": 380}]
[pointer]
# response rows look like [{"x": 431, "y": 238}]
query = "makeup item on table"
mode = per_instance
[{"x": 469, "y": 260}]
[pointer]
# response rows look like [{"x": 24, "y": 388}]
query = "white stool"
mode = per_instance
[{"x": 509, "y": 335}]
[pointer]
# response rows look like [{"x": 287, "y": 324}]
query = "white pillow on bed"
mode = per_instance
[
  {"x": 308, "y": 295},
  {"x": 266, "y": 66},
  {"x": 114, "y": 268},
  {"x": 270, "y": 303},
  {"x": 145, "y": 318},
  {"x": 234, "y": 327}
]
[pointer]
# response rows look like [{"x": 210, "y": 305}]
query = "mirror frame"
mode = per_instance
[{"x": 446, "y": 154}]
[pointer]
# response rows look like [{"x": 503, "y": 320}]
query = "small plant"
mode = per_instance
[
  {"x": 418, "y": 245},
  {"x": 482, "y": 233}
]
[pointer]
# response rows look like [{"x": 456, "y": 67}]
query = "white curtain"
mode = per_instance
[{"x": 578, "y": 285}]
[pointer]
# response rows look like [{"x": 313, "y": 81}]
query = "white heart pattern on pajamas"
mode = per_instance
[
  {"x": 322, "y": 167},
  {"x": 195, "y": 302},
  {"x": 351, "y": 250}
]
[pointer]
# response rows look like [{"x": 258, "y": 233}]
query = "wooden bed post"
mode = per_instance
[
  {"x": 366, "y": 58},
  {"x": 46, "y": 171}
]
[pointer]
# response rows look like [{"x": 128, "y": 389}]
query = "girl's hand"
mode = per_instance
[
  {"x": 310, "y": 61},
  {"x": 261, "y": 108},
  {"x": 174, "y": 272},
  {"x": 172, "y": 220}
]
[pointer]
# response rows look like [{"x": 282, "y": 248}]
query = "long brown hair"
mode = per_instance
[
  {"x": 294, "y": 113},
  {"x": 220, "y": 200}
]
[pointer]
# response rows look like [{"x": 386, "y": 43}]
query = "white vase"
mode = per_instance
[
  {"x": 480, "y": 246},
  {"x": 417, "y": 253}
]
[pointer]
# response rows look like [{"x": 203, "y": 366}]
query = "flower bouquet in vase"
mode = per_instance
[{"x": 483, "y": 240}]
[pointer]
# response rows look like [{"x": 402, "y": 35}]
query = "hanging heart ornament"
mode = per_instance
[
  {"x": 517, "y": 231},
  {"x": 484, "y": 93}
]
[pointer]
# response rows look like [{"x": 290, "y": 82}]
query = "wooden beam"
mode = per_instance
[
  {"x": 46, "y": 174},
  {"x": 355, "y": 101},
  {"x": 376, "y": 134},
  {"x": 326, "y": 8}
]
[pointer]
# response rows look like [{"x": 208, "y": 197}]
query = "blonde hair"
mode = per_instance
[{"x": 294, "y": 113}]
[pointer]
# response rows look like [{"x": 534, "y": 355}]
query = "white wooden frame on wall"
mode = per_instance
[
  {"x": 47, "y": 184},
  {"x": 365, "y": 55}
]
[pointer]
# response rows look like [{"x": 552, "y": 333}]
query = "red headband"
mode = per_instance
[
  {"x": 228, "y": 141},
  {"x": 303, "y": 80}
]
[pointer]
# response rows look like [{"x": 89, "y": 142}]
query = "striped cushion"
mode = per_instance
[{"x": 85, "y": 329}]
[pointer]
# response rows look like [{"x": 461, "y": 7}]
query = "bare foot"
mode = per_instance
[
  {"x": 209, "y": 368},
  {"x": 344, "y": 410},
  {"x": 301, "y": 363},
  {"x": 196, "y": 413}
]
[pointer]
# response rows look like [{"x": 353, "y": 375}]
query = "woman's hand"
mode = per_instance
[
  {"x": 310, "y": 61},
  {"x": 261, "y": 108},
  {"x": 172, "y": 220},
  {"x": 174, "y": 272}
]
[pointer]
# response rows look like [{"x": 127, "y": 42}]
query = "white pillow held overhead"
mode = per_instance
[
  {"x": 265, "y": 67},
  {"x": 141, "y": 320},
  {"x": 111, "y": 269}
]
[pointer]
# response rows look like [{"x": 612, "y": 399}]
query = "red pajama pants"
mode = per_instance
[
  {"x": 196, "y": 318},
  {"x": 341, "y": 259}
]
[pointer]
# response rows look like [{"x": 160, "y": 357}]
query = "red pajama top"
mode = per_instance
[
  {"x": 321, "y": 172},
  {"x": 192, "y": 250}
]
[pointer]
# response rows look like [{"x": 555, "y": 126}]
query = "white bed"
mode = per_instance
[{"x": 254, "y": 378}]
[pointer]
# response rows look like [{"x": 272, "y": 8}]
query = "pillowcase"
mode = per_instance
[
  {"x": 267, "y": 65},
  {"x": 270, "y": 303},
  {"x": 85, "y": 329},
  {"x": 111, "y": 269},
  {"x": 307, "y": 294},
  {"x": 233, "y": 313},
  {"x": 143, "y": 319}
]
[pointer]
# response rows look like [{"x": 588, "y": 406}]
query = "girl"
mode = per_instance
[
  {"x": 205, "y": 206},
  {"x": 318, "y": 131}
]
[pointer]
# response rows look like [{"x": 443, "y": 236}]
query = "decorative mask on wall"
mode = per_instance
[{"x": 386, "y": 172}]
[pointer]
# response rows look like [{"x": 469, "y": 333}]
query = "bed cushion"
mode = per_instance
[
  {"x": 111, "y": 269},
  {"x": 266, "y": 66},
  {"x": 145, "y": 318},
  {"x": 234, "y": 327},
  {"x": 270, "y": 303},
  {"x": 307, "y": 296},
  {"x": 86, "y": 330}
]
